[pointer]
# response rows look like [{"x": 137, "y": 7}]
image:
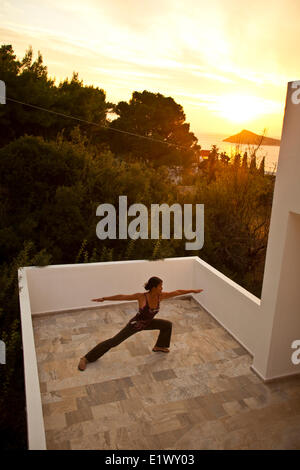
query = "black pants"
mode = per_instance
[{"x": 163, "y": 340}]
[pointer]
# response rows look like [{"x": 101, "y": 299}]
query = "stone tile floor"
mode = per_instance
[{"x": 201, "y": 395}]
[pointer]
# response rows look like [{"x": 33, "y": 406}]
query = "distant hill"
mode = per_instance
[{"x": 249, "y": 138}]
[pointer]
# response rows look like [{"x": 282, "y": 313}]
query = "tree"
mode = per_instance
[
  {"x": 224, "y": 158},
  {"x": 8, "y": 62},
  {"x": 253, "y": 167},
  {"x": 237, "y": 216},
  {"x": 212, "y": 163},
  {"x": 261, "y": 169},
  {"x": 85, "y": 102},
  {"x": 27, "y": 81},
  {"x": 245, "y": 161},
  {"x": 42, "y": 196},
  {"x": 237, "y": 160},
  {"x": 159, "y": 118}
]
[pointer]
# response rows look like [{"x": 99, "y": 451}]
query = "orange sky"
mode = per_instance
[{"x": 227, "y": 62}]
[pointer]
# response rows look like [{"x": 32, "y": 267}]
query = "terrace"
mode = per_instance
[{"x": 228, "y": 381}]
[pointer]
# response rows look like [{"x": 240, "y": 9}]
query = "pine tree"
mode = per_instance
[
  {"x": 253, "y": 166},
  {"x": 237, "y": 160},
  {"x": 212, "y": 161},
  {"x": 245, "y": 161},
  {"x": 224, "y": 158}
]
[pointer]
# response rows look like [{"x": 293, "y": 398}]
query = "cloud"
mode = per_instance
[{"x": 202, "y": 48}]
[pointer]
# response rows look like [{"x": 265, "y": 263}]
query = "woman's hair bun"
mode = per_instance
[{"x": 152, "y": 282}]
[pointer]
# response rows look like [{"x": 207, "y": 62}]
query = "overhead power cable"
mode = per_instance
[{"x": 96, "y": 124}]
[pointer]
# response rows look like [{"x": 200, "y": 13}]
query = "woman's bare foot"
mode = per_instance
[
  {"x": 82, "y": 363},
  {"x": 156, "y": 348}
]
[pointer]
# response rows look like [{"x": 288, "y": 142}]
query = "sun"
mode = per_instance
[{"x": 241, "y": 108}]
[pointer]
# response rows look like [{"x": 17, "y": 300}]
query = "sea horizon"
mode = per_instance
[{"x": 271, "y": 153}]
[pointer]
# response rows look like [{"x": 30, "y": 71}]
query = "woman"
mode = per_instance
[{"x": 143, "y": 320}]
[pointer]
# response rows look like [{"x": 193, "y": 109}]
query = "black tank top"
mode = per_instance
[{"x": 144, "y": 316}]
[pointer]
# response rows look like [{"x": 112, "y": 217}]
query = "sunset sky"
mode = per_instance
[{"x": 227, "y": 62}]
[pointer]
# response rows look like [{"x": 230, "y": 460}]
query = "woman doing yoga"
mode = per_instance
[{"x": 149, "y": 304}]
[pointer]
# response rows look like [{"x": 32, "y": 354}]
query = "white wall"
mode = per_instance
[
  {"x": 287, "y": 313},
  {"x": 234, "y": 307},
  {"x": 64, "y": 287},
  {"x": 34, "y": 412},
  {"x": 280, "y": 306}
]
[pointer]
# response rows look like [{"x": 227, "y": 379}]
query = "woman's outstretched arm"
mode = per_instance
[
  {"x": 119, "y": 297},
  {"x": 167, "y": 295}
]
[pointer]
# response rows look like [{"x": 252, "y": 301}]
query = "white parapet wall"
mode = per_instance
[
  {"x": 66, "y": 287},
  {"x": 236, "y": 309},
  {"x": 34, "y": 411}
]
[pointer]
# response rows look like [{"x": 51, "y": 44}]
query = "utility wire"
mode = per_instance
[{"x": 95, "y": 124}]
